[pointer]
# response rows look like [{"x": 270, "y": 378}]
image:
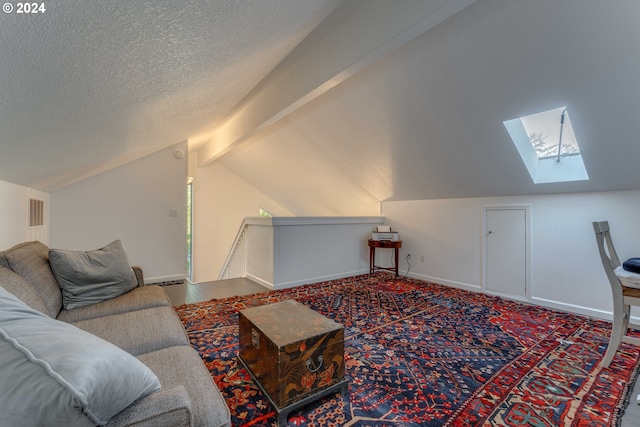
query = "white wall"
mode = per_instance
[
  {"x": 323, "y": 249},
  {"x": 286, "y": 252},
  {"x": 566, "y": 272},
  {"x": 259, "y": 252},
  {"x": 132, "y": 203},
  {"x": 221, "y": 202},
  {"x": 14, "y": 214}
]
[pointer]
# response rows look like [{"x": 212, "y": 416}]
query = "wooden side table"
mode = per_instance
[{"x": 385, "y": 244}]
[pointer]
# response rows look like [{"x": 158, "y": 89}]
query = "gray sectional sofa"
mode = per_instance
[{"x": 123, "y": 361}]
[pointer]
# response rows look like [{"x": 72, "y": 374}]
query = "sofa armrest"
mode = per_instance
[
  {"x": 139, "y": 275},
  {"x": 167, "y": 407}
]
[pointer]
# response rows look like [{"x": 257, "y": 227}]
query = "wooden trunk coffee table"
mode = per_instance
[{"x": 294, "y": 355}]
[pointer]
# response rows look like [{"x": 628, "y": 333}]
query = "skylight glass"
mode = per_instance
[
  {"x": 548, "y": 146},
  {"x": 543, "y": 130}
]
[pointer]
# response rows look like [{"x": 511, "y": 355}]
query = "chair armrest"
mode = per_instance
[
  {"x": 139, "y": 275},
  {"x": 166, "y": 407}
]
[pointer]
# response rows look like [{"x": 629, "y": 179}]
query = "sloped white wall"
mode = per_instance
[
  {"x": 293, "y": 169},
  {"x": 14, "y": 208},
  {"x": 132, "y": 203},
  {"x": 566, "y": 271},
  {"x": 221, "y": 202}
]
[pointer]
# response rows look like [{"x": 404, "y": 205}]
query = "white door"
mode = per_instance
[{"x": 506, "y": 251}]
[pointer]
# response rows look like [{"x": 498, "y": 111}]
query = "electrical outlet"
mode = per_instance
[
  {"x": 421, "y": 258},
  {"x": 408, "y": 256}
]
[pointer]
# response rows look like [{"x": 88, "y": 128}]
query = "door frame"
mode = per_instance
[{"x": 527, "y": 248}]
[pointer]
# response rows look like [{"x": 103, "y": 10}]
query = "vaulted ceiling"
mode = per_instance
[
  {"x": 312, "y": 101},
  {"x": 89, "y": 85}
]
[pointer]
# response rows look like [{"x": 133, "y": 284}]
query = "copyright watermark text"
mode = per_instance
[{"x": 24, "y": 8}]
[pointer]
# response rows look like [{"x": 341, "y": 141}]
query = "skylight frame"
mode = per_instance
[{"x": 540, "y": 153}]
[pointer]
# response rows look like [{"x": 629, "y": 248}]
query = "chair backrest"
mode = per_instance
[
  {"x": 608, "y": 255},
  {"x": 603, "y": 235}
]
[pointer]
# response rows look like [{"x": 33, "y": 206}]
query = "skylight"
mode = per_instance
[{"x": 548, "y": 146}]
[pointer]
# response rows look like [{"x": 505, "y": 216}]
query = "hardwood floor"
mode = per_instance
[{"x": 190, "y": 293}]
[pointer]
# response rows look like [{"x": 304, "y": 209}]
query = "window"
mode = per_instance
[
  {"x": 264, "y": 213},
  {"x": 548, "y": 146}
]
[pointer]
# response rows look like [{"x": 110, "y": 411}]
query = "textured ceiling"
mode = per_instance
[
  {"x": 88, "y": 85},
  {"x": 91, "y": 84}
]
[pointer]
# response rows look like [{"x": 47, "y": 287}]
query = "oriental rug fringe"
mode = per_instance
[{"x": 421, "y": 354}]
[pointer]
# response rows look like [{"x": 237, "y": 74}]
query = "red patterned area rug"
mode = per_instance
[{"x": 420, "y": 354}]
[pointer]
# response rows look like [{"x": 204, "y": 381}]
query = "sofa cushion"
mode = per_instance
[
  {"x": 137, "y": 299},
  {"x": 31, "y": 261},
  {"x": 20, "y": 288},
  {"x": 167, "y": 407},
  {"x": 89, "y": 277},
  {"x": 186, "y": 368},
  {"x": 139, "y": 332},
  {"x": 52, "y": 373}
]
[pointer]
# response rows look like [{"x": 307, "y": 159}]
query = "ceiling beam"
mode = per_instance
[{"x": 356, "y": 34}]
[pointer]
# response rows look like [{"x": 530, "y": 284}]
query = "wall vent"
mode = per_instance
[
  {"x": 167, "y": 282},
  {"x": 36, "y": 213}
]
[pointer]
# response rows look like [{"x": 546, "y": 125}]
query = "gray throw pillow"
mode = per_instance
[
  {"x": 90, "y": 277},
  {"x": 54, "y": 374}
]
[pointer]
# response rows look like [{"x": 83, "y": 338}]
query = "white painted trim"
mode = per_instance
[
  {"x": 517, "y": 298},
  {"x": 449, "y": 283},
  {"x": 260, "y": 282},
  {"x": 326, "y": 220},
  {"x": 308, "y": 281},
  {"x": 555, "y": 305},
  {"x": 575, "y": 309},
  {"x": 277, "y": 222},
  {"x": 313, "y": 220},
  {"x": 312, "y": 280}
]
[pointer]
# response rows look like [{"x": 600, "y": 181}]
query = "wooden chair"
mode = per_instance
[{"x": 623, "y": 296}]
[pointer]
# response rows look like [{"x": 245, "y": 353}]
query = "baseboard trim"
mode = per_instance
[
  {"x": 306, "y": 281},
  {"x": 572, "y": 308},
  {"x": 259, "y": 281},
  {"x": 311, "y": 280},
  {"x": 444, "y": 282},
  {"x": 543, "y": 302}
]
